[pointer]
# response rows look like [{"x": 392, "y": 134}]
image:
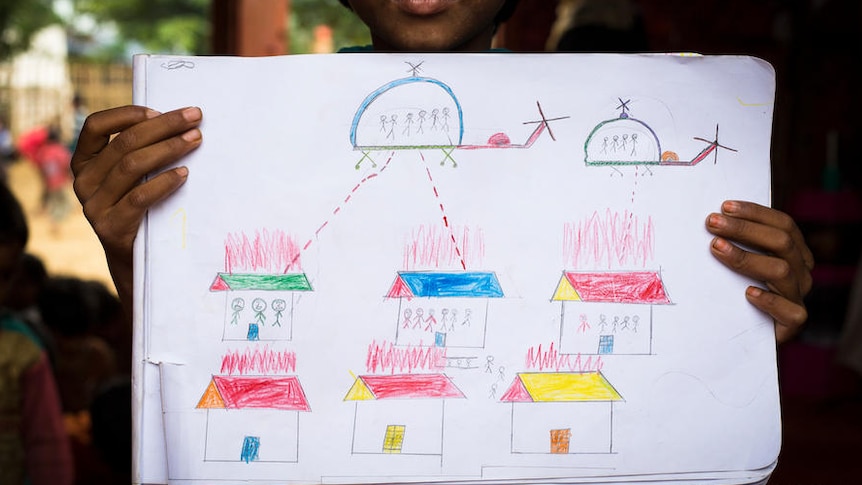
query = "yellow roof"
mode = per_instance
[{"x": 569, "y": 386}]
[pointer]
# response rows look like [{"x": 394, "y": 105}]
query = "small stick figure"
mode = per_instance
[
  {"x": 278, "y": 305},
  {"x": 259, "y": 305},
  {"x": 236, "y": 305}
]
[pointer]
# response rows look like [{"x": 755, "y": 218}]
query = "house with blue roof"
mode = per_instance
[{"x": 443, "y": 308}]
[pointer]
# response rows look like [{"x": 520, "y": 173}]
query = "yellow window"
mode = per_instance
[{"x": 394, "y": 438}]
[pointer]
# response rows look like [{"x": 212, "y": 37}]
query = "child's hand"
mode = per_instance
[
  {"x": 784, "y": 265},
  {"x": 109, "y": 170}
]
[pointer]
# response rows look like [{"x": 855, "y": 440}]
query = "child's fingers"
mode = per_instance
[
  {"x": 117, "y": 225},
  {"x": 100, "y": 126},
  {"x": 128, "y": 171},
  {"x": 774, "y": 271},
  {"x": 772, "y": 218},
  {"x": 789, "y": 317},
  {"x": 97, "y": 159},
  {"x": 790, "y": 252}
]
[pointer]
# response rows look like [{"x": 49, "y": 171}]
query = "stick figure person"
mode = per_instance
[
  {"x": 236, "y": 305},
  {"x": 278, "y": 305},
  {"x": 430, "y": 321},
  {"x": 393, "y": 121},
  {"x": 585, "y": 325},
  {"x": 418, "y": 319},
  {"x": 489, "y": 364},
  {"x": 422, "y": 114},
  {"x": 466, "y": 322},
  {"x": 452, "y": 318},
  {"x": 259, "y": 305},
  {"x": 407, "y": 124},
  {"x": 407, "y": 314},
  {"x": 603, "y": 323}
]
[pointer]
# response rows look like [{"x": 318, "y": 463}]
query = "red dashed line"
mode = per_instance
[
  {"x": 346, "y": 200},
  {"x": 445, "y": 218}
]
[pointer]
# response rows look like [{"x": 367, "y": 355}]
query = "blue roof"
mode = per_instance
[{"x": 449, "y": 285}]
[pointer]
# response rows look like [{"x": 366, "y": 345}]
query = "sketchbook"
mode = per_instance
[{"x": 430, "y": 268}]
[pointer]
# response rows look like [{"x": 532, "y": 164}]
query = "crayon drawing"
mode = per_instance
[
  {"x": 493, "y": 314},
  {"x": 444, "y": 309},
  {"x": 561, "y": 412},
  {"x": 253, "y": 418},
  {"x": 628, "y": 141},
  {"x": 608, "y": 312},
  {"x": 261, "y": 279},
  {"x": 422, "y": 113},
  {"x": 400, "y": 414}
]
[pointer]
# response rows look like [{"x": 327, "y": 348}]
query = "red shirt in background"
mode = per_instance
[{"x": 53, "y": 159}]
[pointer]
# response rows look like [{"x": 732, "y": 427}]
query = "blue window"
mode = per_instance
[
  {"x": 250, "y": 449},
  {"x": 606, "y": 344},
  {"x": 440, "y": 339},
  {"x": 253, "y": 332}
]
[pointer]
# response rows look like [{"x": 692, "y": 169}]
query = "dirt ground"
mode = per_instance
[{"x": 73, "y": 250}]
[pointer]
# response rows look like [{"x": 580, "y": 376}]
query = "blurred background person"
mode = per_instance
[
  {"x": 70, "y": 307},
  {"x": 52, "y": 158},
  {"x": 8, "y": 153},
  {"x": 34, "y": 447}
]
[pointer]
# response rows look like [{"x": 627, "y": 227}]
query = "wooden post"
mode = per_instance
[{"x": 250, "y": 27}]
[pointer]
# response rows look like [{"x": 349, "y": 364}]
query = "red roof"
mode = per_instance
[
  {"x": 411, "y": 386},
  {"x": 619, "y": 287},
  {"x": 262, "y": 392}
]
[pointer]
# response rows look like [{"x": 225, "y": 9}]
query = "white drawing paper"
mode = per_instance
[{"x": 436, "y": 268}]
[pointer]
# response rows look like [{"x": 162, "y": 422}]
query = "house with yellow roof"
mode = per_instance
[
  {"x": 561, "y": 412},
  {"x": 608, "y": 312}
]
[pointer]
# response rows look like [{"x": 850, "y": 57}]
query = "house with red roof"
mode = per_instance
[
  {"x": 561, "y": 412},
  {"x": 443, "y": 308},
  {"x": 400, "y": 414},
  {"x": 253, "y": 418},
  {"x": 608, "y": 313}
]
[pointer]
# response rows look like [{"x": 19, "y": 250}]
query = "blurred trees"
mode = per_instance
[
  {"x": 19, "y": 19},
  {"x": 163, "y": 26}
]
